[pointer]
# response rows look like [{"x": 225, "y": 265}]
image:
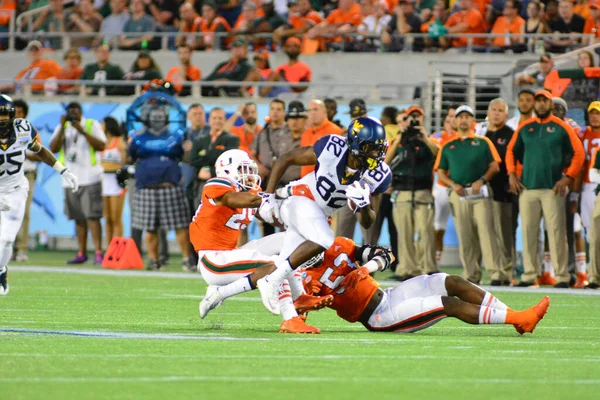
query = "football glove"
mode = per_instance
[
  {"x": 4, "y": 205},
  {"x": 70, "y": 179},
  {"x": 367, "y": 253},
  {"x": 269, "y": 208},
  {"x": 358, "y": 194}
]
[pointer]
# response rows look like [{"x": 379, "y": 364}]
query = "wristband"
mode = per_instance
[
  {"x": 574, "y": 196},
  {"x": 482, "y": 179},
  {"x": 59, "y": 167}
]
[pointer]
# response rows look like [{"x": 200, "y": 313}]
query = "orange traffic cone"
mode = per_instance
[{"x": 122, "y": 253}]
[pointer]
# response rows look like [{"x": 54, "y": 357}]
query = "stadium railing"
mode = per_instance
[{"x": 168, "y": 38}]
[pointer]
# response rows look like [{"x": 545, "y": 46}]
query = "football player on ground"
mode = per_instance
[
  {"x": 17, "y": 135},
  {"x": 229, "y": 204},
  {"x": 413, "y": 305},
  {"x": 348, "y": 171}
]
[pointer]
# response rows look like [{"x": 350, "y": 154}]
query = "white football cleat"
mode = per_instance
[
  {"x": 269, "y": 293},
  {"x": 212, "y": 299}
]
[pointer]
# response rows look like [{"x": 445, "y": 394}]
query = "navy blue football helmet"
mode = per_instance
[
  {"x": 366, "y": 139},
  {"x": 7, "y": 107}
]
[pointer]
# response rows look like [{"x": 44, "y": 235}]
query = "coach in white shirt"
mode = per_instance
[{"x": 77, "y": 140}]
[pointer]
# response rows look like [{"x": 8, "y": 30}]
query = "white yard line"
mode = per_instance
[
  {"x": 305, "y": 379},
  {"x": 183, "y": 275}
]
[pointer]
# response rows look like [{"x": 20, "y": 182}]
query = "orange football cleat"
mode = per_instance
[
  {"x": 534, "y": 315},
  {"x": 306, "y": 303},
  {"x": 582, "y": 280},
  {"x": 296, "y": 325},
  {"x": 546, "y": 279}
]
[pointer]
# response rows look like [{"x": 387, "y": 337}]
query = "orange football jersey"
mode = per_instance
[
  {"x": 217, "y": 227},
  {"x": 339, "y": 277},
  {"x": 591, "y": 140}
]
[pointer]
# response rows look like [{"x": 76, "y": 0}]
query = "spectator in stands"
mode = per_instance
[
  {"x": 552, "y": 17},
  {"x": 373, "y": 23},
  {"x": 53, "y": 20},
  {"x": 164, "y": 12},
  {"x": 113, "y": 157},
  {"x": 144, "y": 69},
  {"x": 569, "y": 23},
  {"x": 318, "y": 126},
  {"x": 71, "y": 71},
  {"x": 158, "y": 201},
  {"x": 293, "y": 71},
  {"x": 206, "y": 150},
  {"x": 78, "y": 140},
  {"x": 212, "y": 24},
  {"x": 112, "y": 26},
  {"x": 30, "y": 169},
  {"x": 331, "y": 107},
  {"x": 7, "y": 8},
  {"x": 592, "y": 24},
  {"x": 261, "y": 63},
  {"x": 468, "y": 20},
  {"x": 185, "y": 72},
  {"x": 250, "y": 14},
  {"x": 301, "y": 19},
  {"x": 230, "y": 10},
  {"x": 344, "y": 19},
  {"x": 270, "y": 21},
  {"x": 249, "y": 129},
  {"x": 190, "y": 24},
  {"x": 510, "y": 23},
  {"x": 549, "y": 169},
  {"x": 138, "y": 23},
  {"x": 39, "y": 69},
  {"x": 434, "y": 25},
  {"x": 85, "y": 21},
  {"x": 539, "y": 78},
  {"x": 103, "y": 70},
  {"x": 236, "y": 69},
  {"x": 403, "y": 21},
  {"x": 536, "y": 22}
]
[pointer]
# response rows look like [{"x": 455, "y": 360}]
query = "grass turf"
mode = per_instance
[{"x": 102, "y": 336}]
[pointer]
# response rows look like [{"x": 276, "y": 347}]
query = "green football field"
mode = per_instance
[{"x": 88, "y": 333}]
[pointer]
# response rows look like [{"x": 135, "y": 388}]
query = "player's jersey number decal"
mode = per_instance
[{"x": 10, "y": 159}]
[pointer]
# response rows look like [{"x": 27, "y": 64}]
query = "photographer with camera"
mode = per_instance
[
  {"x": 77, "y": 140},
  {"x": 411, "y": 157}
]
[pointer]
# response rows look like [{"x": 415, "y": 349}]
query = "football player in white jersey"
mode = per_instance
[
  {"x": 16, "y": 136},
  {"x": 348, "y": 170}
]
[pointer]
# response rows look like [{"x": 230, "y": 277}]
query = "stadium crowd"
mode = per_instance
[{"x": 488, "y": 174}]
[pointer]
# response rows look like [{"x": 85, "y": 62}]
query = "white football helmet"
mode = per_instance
[{"x": 239, "y": 167}]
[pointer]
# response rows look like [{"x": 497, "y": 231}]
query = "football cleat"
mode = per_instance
[
  {"x": 306, "y": 303},
  {"x": 546, "y": 279},
  {"x": 188, "y": 266},
  {"x": 269, "y": 294},
  {"x": 212, "y": 299},
  {"x": 4, "y": 281},
  {"x": 79, "y": 258},
  {"x": 297, "y": 325},
  {"x": 534, "y": 315},
  {"x": 582, "y": 280}
]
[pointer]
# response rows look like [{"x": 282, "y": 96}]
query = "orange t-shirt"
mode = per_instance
[
  {"x": 241, "y": 20},
  {"x": 195, "y": 26},
  {"x": 339, "y": 270},
  {"x": 592, "y": 26},
  {"x": 591, "y": 141},
  {"x": 66, "y": 74},
  {"x": 583, "y": 10},
  {"x": 6, "y": 8},
  {"x": 297, "y": 21},
  {"x": 310, "y": 137},
  {"x": 212, "y": 27},
  {"x": 176, "y": 75},
  {"x": 353, "y": 16},
  {"x": 299, "y": 72},
  {"x": 474, "y": 20},
  {"x": 441, "y": 139},
  {"x": 41, "y": 69},
  {"x": 503, "y": 25},
  {"x": 216, "y": 227},
  {"x": 246, "y": 138}
]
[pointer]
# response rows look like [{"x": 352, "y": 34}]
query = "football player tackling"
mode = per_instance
[
  {"x": 413, "y": 305},
  {"x": 16, "y": 137},
  {"x": 229, "y": 204},
  {"x": 348, "y": 171}
]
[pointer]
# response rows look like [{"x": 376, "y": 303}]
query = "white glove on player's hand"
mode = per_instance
[
  {"x": 4, "y": 206},
  {"x": 70, "y": 179},
  {"x": 359, "y": 194},
  {"x": 269, "y": 208}
]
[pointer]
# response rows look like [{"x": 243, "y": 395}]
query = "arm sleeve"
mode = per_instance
[
  {"x": 514, "y": 152},
  {"x": 573, "y": 142},
  {"x": 216, "y": 188},
  {"x": 441, "y": 162},
  {"x": 385, "y": 183},
  {"x": 34, "y": 137},
  {"x": 97, "y": 131},
  {"x": 493, "y": 153},
  {"x": 320, "y": 144},
  {"x": 132, "y": 150}
]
